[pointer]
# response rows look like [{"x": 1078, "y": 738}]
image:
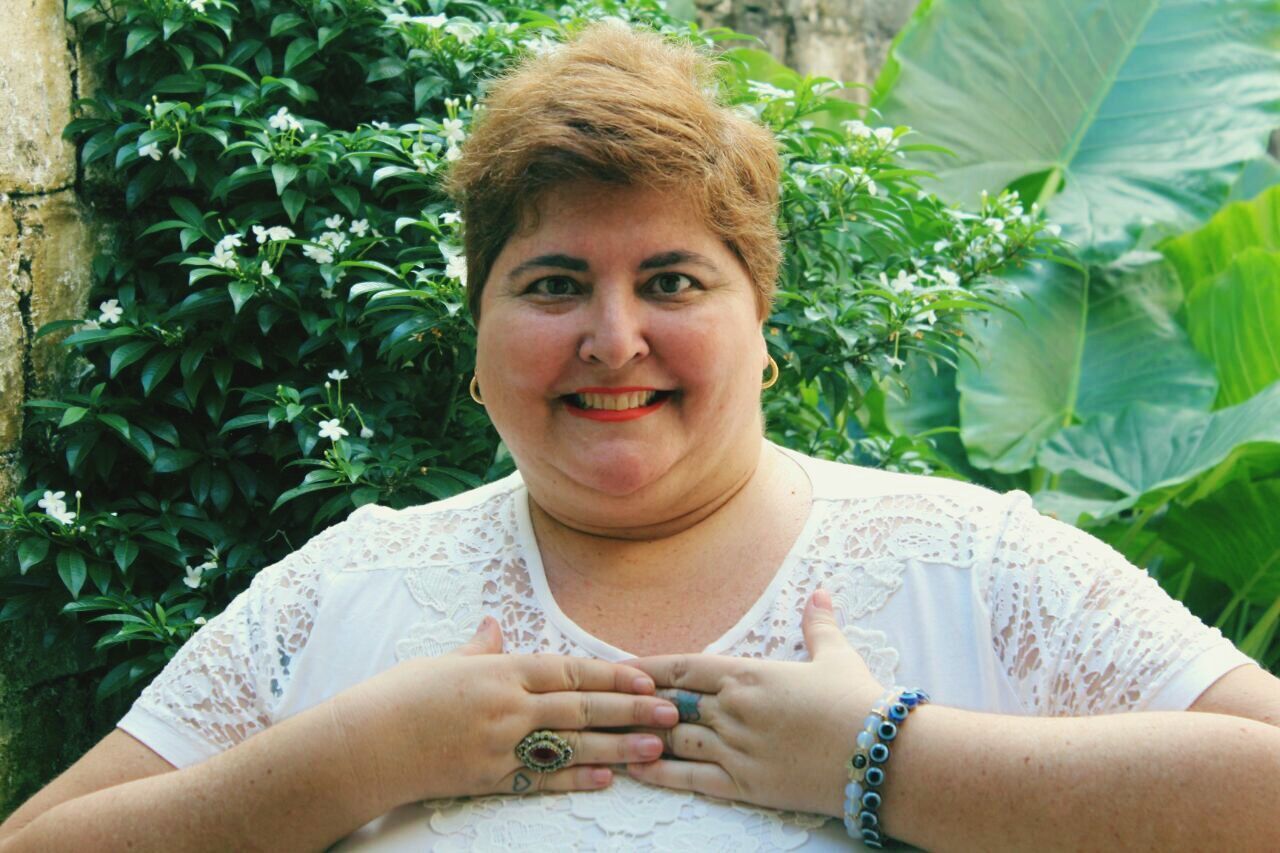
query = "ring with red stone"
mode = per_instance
[{"x": 544, "y": 751}]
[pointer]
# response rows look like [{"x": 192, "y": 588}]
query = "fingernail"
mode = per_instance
[
  {"x": 601, "y": 776},
  {"x": 484, "y": 623},
  {"x": 642, "y": 684},
  {"x": 649, "y": 747},
  {"x": 822, "y": 599},
  {"x": 666, "y": 714}
]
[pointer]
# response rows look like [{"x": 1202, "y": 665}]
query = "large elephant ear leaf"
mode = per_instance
[
  {"x": 1148, "y": 454},
  {"x": 1140, "y": 111},
  {"x": 1235, "y": 321},
  {"x": 1234, "y": 537},
  {"x": 1078, "y": 346},
  {"x": 1202, "y": 255}
]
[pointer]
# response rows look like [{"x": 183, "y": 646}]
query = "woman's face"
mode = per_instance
[{"x": 620, "y": 356}]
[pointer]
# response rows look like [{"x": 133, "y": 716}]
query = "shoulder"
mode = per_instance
[
  {"x": 476, "y": 525},
  {"x": 837, "y": 481}
]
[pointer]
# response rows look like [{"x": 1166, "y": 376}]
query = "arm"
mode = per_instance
[
  {"x": 960, "y": 780},
  {"x": 294, "y": 786}
]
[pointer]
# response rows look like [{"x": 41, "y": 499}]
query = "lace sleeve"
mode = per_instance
[
  {"x": 1080, "y": 631},
  {"x": 224, "y": 684}
]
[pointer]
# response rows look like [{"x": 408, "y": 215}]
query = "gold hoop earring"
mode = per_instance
[
  {"x": 773, "y": 375},
  {"x": 475, "y": 390}
]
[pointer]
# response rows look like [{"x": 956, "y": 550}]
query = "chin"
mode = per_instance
[{"x": 620, "y": 471}]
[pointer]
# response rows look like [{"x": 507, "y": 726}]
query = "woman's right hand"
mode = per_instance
[{"x": 447, "y": 726}]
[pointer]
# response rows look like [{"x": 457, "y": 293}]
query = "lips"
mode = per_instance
[{"x": 615, "y": 404}]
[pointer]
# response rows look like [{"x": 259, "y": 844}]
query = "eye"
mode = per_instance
[
  {"x": 556, "y": 285},
  {"x": 671, "y": 283}
]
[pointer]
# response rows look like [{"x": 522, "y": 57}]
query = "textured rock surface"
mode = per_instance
[
  {"x": 14, "y": 287},
  {"x": 843, "y": 39},
  {"x": 36, "y": 84}
]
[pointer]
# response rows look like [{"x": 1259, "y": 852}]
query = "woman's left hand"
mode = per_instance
[{"x": 772, "y": 733}]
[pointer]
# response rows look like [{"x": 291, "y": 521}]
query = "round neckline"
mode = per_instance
[{"x": 610, "y": 652}]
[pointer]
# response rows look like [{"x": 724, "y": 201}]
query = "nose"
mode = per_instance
[{"x": 615, "y": 335}]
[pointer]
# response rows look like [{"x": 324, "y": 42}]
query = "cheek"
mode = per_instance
[{"x": 514, "y": 356}]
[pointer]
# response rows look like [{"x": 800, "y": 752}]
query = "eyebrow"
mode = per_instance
[{"x": 568, "y": 262}]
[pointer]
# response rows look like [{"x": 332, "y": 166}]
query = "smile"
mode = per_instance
[{"x": 615, "y": 404}]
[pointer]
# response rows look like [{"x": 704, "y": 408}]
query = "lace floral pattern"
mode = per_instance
[{"x": 1073, "y": 627}]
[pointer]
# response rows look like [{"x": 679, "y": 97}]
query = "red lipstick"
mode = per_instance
[{"x": 615, "y": 415}]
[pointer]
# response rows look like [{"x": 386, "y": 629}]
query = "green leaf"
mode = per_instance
[
  {"x": 385, "y": 69},
  {"x": 31, "y": 550},
  {"x": 73, "y": 414},
  {"x": 125, "y": 552},
  {"x": 1080, "y": 347},
  {"x": 285, "y": 22},
  {"x": 293, "y": 202},
  {"x": 1233, "y": 536},
  {"x": 138, "y": 39},
  {"x": 117, "y": 423},
  {"x": 72, "y": 570},
  {"x": 76, "y": 8},
  {"x": 156, "y": 369},
  {"x": 170, "y": 460},
  {"x": 1138, "y": 111},
  {"x": 349, "y": 198},
  {"x": 1149, "y": 453},
  {"x": 1235, "y": 321},
  {"x": 241, "y": 292},
  {"x": 126, "y": 354},
  {"x": 300, "y": 50},
  {"x": 1202, "y": 255},
  {"x": 283, "y": 174}
]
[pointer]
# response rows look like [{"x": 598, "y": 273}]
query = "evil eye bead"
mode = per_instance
[
  {"x": 887, "y": 730},
  {"x": 898, "y": 712},
  {"x": 868, "y": 820},
  {"x": 873, "y": 778},
  {"x": 910, "y": 699},
  {"x": 879, "y": 753},
  {"x": 871, "y": 838},
  {"x": 871, "y": 800}
]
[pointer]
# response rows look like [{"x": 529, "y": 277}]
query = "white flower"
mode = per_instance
[
  {"x": 453, "y": 217},
  {"x": 380, "y": 125},
  {"x": 463, "y": 31},
  {"x": 200, "y": 620},
  {"x": 996, "y": 225},
  {"x": 335, "y": 240},
  {"x": 266, "y": 268},
  {"x": 894, "y": 361},
  {"x": 223, "y": 259},
  {"x": 435, "y": 22},
  {"x": 453, "y": 153},
  {"x": 51, "y": 500},
  {"x": 283, "y": 121},
  {"x": 903, "y": 283},
  {"x": 331, "y": 430},
  {"x": 151, "y": 150},
  {"x": 365, "y": 432},
  {"x": 111, "y": 313},
  {"x": 230, "y": 241},
  {"x": 275, "y": 233},
  {"x": 197, "y": 6},
  {"x": 452, "y": 131},
  {"x": 194, "y": 576},
  {"x": 884, "y": 135},
  {"x": 457, "y": 268},
  {"x": 765, "y": 90},
  {"x": 319, "y": 254},
  {"x": 337, "y": 375},
  {"x": 176, "y": 153},
  {"x": 334, "y": 221},
  {"x": 942, "y": 245},
  {"x": 947, "y": 277},
  {"x": 360, "y": 227},
  {"x": 857, "y": 128},
  {"x": 929, "y": 317},
  {"x": 1054, "y": 230},
  {"x": 326, "y": 292},
  {"x": 61, "y": 514}
]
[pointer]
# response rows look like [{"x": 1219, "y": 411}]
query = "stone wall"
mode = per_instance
[{"x": 47, "y": 241}]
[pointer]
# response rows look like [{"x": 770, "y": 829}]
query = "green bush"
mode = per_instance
[{"x": 283, "y": 337}]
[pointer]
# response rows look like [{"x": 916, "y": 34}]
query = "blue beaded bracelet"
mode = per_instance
[{"x": 862, "y": 800}]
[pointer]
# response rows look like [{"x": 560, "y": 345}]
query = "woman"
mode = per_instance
[{"x": 622, "y": 251}]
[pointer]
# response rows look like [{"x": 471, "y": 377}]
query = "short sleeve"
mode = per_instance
[
  {"x": 1079, "y": 630},
  {"x": 225, "y": 682}
]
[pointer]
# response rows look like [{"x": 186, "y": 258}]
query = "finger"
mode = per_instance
[
  {"x": 487, "y": 640},
  {"x": 689, "y": 741},
  {"x": 692, "y": 707},
  {"x": 822, "y": 634},
  {"x": 591, "y": 747},
  {"x": 701, "y": 673},
  {"x": 583, "y": 778},
  {"x": 579, "y": 710},
  {"x": 548, "y": 673},
  {"x": 702, "y": 777}
]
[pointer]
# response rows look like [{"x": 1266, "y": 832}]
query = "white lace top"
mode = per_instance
[{"x": 970, "y": 594}]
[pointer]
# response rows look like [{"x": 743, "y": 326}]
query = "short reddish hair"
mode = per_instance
[{"x": 626, "y": 107}]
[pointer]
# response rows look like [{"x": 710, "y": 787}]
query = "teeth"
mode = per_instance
[{"x": 616, "y": 402}]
